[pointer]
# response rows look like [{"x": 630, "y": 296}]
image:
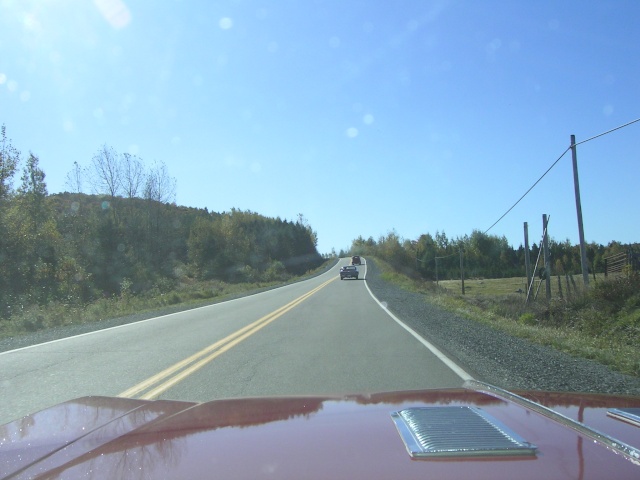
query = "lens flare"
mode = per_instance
[{"x": 115, "y": 12}]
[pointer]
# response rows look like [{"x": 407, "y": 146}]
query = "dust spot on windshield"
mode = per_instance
[{"x": 352, "y": 132}]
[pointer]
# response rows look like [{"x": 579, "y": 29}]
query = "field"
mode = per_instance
[{"x": 504, "y": 286}]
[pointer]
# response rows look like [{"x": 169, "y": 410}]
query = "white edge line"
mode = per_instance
[
  {"x": 437, "y": 352},
  {"x": 156, "y": 318}
]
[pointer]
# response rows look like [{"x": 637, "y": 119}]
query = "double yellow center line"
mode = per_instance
[{"x": 154, "y": 386}]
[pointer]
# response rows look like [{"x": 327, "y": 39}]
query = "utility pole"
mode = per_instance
[
  {"x": 547, "y": 259},
  {"x": 576, "y": 185},
  {"x": 527, "y": 258}
]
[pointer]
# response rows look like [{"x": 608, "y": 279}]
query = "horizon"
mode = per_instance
[{"x": 433, "y": 117}]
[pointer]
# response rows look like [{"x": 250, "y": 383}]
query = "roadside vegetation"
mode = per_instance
[
  {"x": 600, "y": 324},
  {"x": 190, "y": 294},
  {"x": 127, "y": 247}
]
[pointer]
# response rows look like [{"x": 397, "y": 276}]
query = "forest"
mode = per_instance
[
  {"x": 434, "y": 257},
  {"x": 127, "y": 236}
]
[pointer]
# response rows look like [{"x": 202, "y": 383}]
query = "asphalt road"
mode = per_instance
[{"x": 319, "y": 336}]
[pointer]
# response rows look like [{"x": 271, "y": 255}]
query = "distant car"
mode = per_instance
[
  {"x": 348, "y": 271},
  {"x": 355, "y": 260}
]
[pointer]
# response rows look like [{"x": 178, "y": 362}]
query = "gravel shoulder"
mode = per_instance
[{"x": 493, "y": 356}]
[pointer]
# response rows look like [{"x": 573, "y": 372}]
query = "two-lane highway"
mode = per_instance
[{"x": 318, "y": 336}]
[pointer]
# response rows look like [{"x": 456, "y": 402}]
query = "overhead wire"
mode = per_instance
[
  {"x": 609, "y": 131},
  {"x": 554, "y": 164},
  {"x": 527, "y": 192}
]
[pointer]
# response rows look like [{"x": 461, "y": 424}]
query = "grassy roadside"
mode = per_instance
[
  {"x": 572, "y": 325},
  {"x": 35, "y": 318},
  {"x": 567, "y": 286}
]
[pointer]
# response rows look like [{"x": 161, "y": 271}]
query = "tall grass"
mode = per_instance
[
  {"x": 601, "y": 323},
  {"x": 187, "y": 294}
]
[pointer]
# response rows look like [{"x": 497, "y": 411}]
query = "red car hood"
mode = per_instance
[{"x": 318, "y": 437}]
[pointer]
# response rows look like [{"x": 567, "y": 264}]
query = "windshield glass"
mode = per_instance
[{"x": 174, "y": 217}]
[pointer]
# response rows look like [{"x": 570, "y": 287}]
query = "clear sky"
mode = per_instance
[{"x": 364, "y": 116}]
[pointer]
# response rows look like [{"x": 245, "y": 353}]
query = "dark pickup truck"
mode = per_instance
[{"x": 349, "y": 271}]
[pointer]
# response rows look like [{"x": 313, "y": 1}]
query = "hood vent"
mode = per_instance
[
  {"x": 458, "y": 431},
  {"x": 629, "y": 415}
]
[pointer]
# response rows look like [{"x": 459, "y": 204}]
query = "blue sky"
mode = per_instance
[{"x": 417, "y": 116}]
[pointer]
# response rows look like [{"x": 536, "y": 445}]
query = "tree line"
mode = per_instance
[
  {"x": 127, "y": 235},
  {"x": 485, "y": 256}
]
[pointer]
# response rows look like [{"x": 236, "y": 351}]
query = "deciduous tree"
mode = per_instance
[{"x": 9, "y": 158}]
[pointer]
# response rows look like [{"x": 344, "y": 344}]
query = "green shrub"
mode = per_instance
[
  {"x": 632, "y": 303},
  {"x": 593, "y": 321},
  {"x": 614, "y": 293},
  {"x": 33, "y": 322},
  {"x": 173, "y": 298},
  {"x": 626, "y": 328},
  {"x": 275, "y": 272},
  {"x": 509, "y": 306},
  {"x": 528, "y": 318},
  {"x": 203, "y": 294}
]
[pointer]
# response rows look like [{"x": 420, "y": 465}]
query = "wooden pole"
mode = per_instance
[
  {"x": 527, "y": 257},
  {"x": 547, "y": 257},
  {"x": 576, "y": 186}
]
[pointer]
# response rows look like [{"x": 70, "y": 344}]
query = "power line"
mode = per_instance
[
  {"x": 554, "y": 164},
  {"x": 607, "y": 132},
  {"x": 531, "y": 188},
  {"x": 437, "y": 258}
]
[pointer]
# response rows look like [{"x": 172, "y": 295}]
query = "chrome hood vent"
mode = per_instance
[
  {"x": 457, "y": 431},
  {"x": 629, "y": 415}
]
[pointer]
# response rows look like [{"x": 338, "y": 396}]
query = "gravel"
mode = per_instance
[{"x": 493, "y": 356}]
